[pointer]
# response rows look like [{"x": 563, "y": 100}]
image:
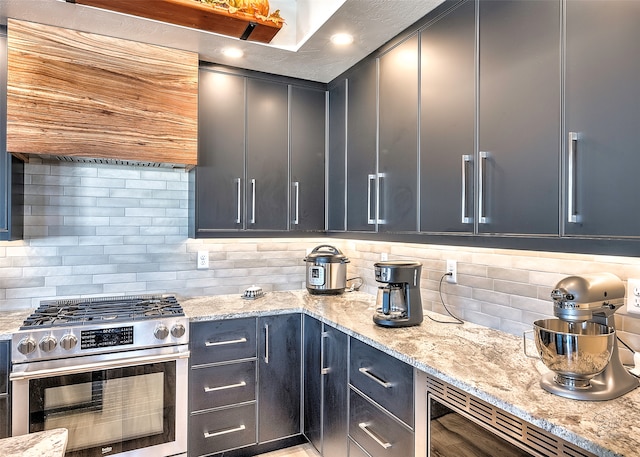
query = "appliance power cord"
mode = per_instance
[
  {"x": 355, "y": 287},
  {"x": 457, "y": 319}
]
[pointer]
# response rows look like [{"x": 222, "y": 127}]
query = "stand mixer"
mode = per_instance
[
  {"x": 580, "y": 347},
  {"x": 398, "y": 303}
]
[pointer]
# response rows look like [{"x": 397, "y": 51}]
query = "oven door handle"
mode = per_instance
[{"x": 95, "y": 366}]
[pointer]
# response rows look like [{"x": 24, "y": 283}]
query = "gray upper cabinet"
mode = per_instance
[
  {"x": 447, "y": 122},
  {"x": 362, "y": 171},
  {"x": 519, "y": 117},
  {"x": 602, "y": 146},
  {"x": 336, "y": 157},
  {"x": 398, "y": 138},
  {"x": 307, "y": 127},
  {"x": 221, "y": 143},
  {"x": 267, "y": 155},
  {"x": 261, "y": 148}
]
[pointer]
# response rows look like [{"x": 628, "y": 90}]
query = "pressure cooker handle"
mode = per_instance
[{"x": 333, "y": 249}]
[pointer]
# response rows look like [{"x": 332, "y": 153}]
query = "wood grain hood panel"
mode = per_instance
[{"x": 77, "y": 94}]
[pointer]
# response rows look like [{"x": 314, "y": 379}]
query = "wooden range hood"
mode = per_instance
[{"x": 82, "y": 95}]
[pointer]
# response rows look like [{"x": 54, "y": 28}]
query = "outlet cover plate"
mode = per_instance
[
  {"x": 203, "y": 260},
  {"x": 633, "y": 296}
]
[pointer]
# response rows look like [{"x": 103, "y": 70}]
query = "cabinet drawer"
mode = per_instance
[
  {"x": 355, "y": 450},
  {"x": 222, "y": 430},
  {"x": 383, "y": 378},
  {"x": 223, "y": 385},
  {"x": 220, "y": 341},
  {"x": 376, "y": 431}
]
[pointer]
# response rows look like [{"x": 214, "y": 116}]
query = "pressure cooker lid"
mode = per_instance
[{"x": 326, "y": 254}]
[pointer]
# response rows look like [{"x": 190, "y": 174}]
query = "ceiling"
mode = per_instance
[{"x": 371, "y": 22}]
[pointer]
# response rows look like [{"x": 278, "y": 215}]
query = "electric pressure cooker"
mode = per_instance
[{"x": 326, "y": 270}]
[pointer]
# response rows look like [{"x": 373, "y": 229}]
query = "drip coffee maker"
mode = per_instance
[
  {"x": 580, "y": 347},
  {"x": 398, "y": 303}
]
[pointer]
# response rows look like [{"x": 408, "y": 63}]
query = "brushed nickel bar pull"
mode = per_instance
[
  {"x": 230, "y": 386},
  {"x": 223, "y": 343},
  {"x": 253, "y": 201},
  {"x": 323, "y": 370},
  {"x": 266, "y": 343},
  {"x": 371, "y": 178},
  {"x": 224, "y": 432},
  {"x": 365, "y": 428},
  {"x": 466, "y": 159},
  {"x": 382, "y": 382},
  {"x": 572, "y": 214},
  {"x": 239, "y": 201},
  {"x": 482, "y": 219},
  {"x": 296, "y": 220}
]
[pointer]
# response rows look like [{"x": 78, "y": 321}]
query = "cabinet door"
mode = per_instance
[
  {"x": 279, "y": 382},
  {"x": 519, "y": 117},
  {"x": 603, "y": 111},
  {"x": 307, "y": 126},
  {"x": 447, "y": 122},
  {"x": 398, "y": 138},
  {"x": 312, "y": 381},
  {"x": 220, "y": 170},
  {"x": 336, "y": 157},
  {"x": 361, "y": 148},
  {"x": 267, "y": 184},
  {"x": 335, "y": 390}
]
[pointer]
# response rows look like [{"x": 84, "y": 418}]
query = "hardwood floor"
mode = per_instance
[{"x": 303, "y": 450}]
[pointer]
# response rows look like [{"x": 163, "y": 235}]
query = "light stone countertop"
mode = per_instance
[
  {"x": 487, "y": 363},
  {"x": 50, "y": 443}
]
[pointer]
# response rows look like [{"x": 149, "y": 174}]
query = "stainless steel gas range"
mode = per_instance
[{"x": 111, "y": 370}]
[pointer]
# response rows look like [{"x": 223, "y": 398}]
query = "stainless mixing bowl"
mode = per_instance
[{"x": 574, "y": 350}]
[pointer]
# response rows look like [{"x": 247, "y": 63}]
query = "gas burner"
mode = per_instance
[{"x": 53, "y": 313}]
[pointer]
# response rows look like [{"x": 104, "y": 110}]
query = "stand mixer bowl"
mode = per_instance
[{"x": 575, "y": 351}]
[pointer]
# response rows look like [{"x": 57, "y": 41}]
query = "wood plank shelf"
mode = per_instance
[{"x": 193, "y": 14}]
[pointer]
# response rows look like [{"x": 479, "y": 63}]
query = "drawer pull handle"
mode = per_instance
[
  {"x": 368, "y": 374},
  {"x": 365, "y": 428},
  {"x": 230, "y": 386},
  {"x": 222, "y": 343},
  {"x": 224, "y": 432}
]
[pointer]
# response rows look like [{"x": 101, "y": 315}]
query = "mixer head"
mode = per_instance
[{"x": 578, "y": 298}]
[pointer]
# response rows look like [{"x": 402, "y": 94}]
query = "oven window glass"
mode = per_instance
[
  {"x": 107, "y": 411},
  {"x": 453, "y": 435}
]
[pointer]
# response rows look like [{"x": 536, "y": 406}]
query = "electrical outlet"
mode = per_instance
[
  {"x": 203, "y": 260},
  {"x": 452, "y": 267},
  {"x": 633, "y": 296},
  {"x": 384, "y": 256}
]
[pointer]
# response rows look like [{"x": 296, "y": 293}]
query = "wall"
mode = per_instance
[{"x": 107, "y": 229}]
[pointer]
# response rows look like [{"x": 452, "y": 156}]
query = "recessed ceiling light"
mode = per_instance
[
  {"x": 342, "y": 39},
  {"x": 234, "y": 53}
]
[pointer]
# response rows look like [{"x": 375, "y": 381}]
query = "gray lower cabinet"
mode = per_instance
[
  {"x": 222, "y": 386},
  {"x": 447, "y": 122},
  {"x": 244, "y": 383},
  {"x": 5, "y": 394},
  {"x": 279, "y": 383},
  {"x": 519, "y": 117},
  {"x": 381, "y": 403},
  {"x": 602, "y": 117},
  {"x": 325, "y": 387}
]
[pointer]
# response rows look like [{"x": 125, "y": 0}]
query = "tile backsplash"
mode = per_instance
[{"x": 110, "y": 230}]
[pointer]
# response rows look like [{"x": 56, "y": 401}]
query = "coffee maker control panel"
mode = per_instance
[{"x": 383, "y": 274}]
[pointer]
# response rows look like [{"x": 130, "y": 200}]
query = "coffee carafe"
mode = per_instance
[{"x": 398, "y": 303}]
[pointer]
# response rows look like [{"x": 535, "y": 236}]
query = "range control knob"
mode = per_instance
[
  {"x": 161, "y": 332},
  {"x": 48, "y": 343},
  {"x": 68, "y": 342},
  {"x": 26, "y": 346},
  {"x": 178, "y": 330}
]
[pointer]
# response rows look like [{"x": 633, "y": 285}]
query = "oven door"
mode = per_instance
[
  {"x": 132, "y": 403},
  {"x": 453, "y": 433}
]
